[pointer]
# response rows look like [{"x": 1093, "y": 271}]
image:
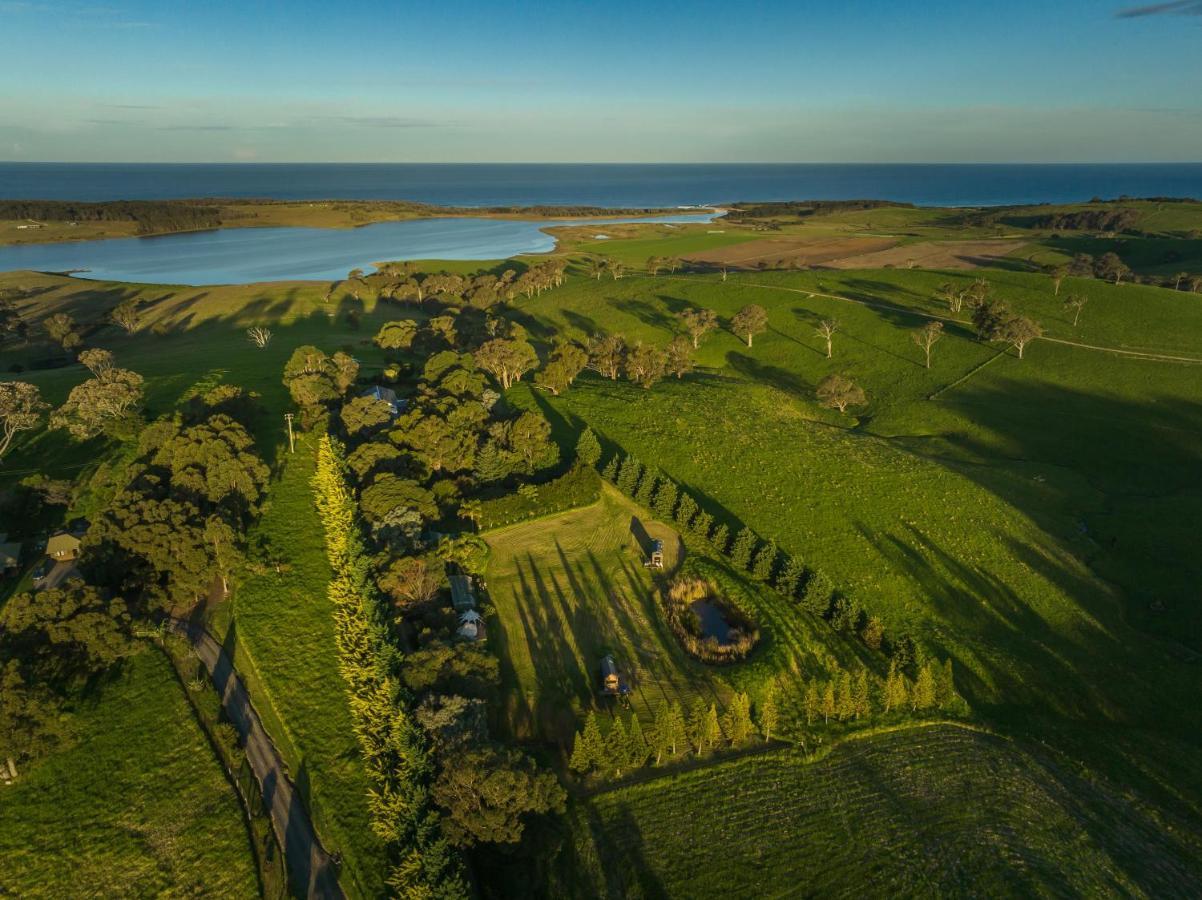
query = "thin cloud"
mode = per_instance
[
  {"x": 385, "y": 121},
  {"x": 129, "y": 106},
  {"x": 196, "y": 128},
  {"x": 1175, "y": 8}
]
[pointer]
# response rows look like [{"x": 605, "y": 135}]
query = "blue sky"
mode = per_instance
[{"x": 450, "y": 81}]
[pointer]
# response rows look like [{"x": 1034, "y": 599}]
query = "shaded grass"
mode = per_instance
[{"x": 138, "y": 806}]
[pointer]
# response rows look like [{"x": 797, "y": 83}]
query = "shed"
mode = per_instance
[
  {"x": 461, "y": 590},
  {"x": 63, "y": 546},
  {"x": 10, "y": 554},
  {"x": 656, "y": 558}
]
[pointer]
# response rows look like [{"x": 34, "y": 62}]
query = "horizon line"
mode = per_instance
[{"x": 135, "y": 162}]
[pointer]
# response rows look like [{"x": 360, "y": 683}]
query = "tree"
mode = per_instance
[
  {"x": 637, "y": 746},
  {"x": 846, "y": 701},
  {"x": 945, "y": 686},
  {"x": 698, "y": 322},
  {"x": 839, "y": 392},
  {"x": 655, "y": 265},
  {"x": 816, "y": 599},
  {"x": 21, "y": 409},
  {"x": 411, "y": 581},
  {"x": 628, "y": 475},
  {"x": 721, "y": 538},
  {"x": 745, "y": 544},
  {"x": 789, "y": 577},
  {"x": 605, "y": 355},
  {"x": 592, "y": 748},
  {"x": 565, "y": 364},
  {"x": 828, "y": 702},
  {"x": 579, "y": 761},
  {"x": 126, "y": 315},
  {"x": 665, "y": 500},
  {"x": 679, "y": 359},
  {"x": 675, "y": 734},
  {"x": 364, "y": 415},
  {"x": 769, "y": 712},
  {"x": 645, "y": 364},
  {"x": 686, "y": 509},
  {"x": 812, "y": 701},
  {"x": 397, "y": 334},
  {"x": 739, "y": 726},
  {"x": 1074, "y": 303},
  {"x": 765, "y": 561},
  {"x": 108, "y": 402},
  {"x": 1058, "y": 274},
  {"x": 97, "y": 361},
  {"x": 1020, "y": 331},
  {"x": 588, "y": 449},
  {"x": 926, "y": 336},
  {"x": 896, "y": 691},
  {"x": 1178, "y": 278},
  {"x": 660, "y": 738},
  {"x": 749, "y": 321},
  {"x": 486, "y": 791},
  {"x": 1110, "y": 266},
  {"x": 259, "y": 336},
  {"x": 924, "y": 689},
  {"x": 617, "y": 748},
  {"x": 826, "y": 330},
  {"x": 950, "y": 294},
  {"x": 595, "y": 266},
  {"x": 989, "y": 316},
  {"x": 646, "y": 492},
  {"x": 862, "y": 696},
  {"x": 506, "y": 360},
  {"x": 872, "y": 633}
]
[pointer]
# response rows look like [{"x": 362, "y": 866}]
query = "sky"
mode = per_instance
[{"x": 449, "y": 81}]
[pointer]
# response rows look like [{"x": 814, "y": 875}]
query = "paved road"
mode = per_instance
[{"x": 308, "y": 862}]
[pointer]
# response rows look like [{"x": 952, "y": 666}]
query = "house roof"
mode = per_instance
[
  {"x": 62, "y": 543},
  {"x": 388, "y": 395}
]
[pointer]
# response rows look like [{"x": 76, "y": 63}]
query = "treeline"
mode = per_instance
[
  {"x": 578, "y": 487},
  {"x": 802, "y": 209},
  {"x": 405, "y": 283},
  {"x": 1089, "y": 220},
  {"x": 151, "y": 216},
  {"x": 393, "y": 749},
  {"x": 806, "y": 586}
]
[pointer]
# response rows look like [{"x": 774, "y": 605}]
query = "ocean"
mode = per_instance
[{"x": 605, "y": 185}]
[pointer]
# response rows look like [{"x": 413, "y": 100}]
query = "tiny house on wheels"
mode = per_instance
[
  {"x": 611, "y": 681},
  {"x": 655, "y": 559}
]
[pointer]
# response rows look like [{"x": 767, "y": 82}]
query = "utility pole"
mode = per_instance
[{"x": 291, "y": 440}]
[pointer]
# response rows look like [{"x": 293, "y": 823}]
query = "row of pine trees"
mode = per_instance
[
  {"x": 763, "y": 560},
  {"x": 394, "y": 754}
]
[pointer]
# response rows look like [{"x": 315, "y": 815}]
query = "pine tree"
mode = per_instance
[
  {"x": 828, "y": 701},
  {"x": 812, "y": 701},
  {"x": 588, "y": 449},
  {"x": 617, "y": 748},
  {"x": 789, "y": 577},
  {"x": 610, "y": 472},
  {"x": 738, "y": 720},
  {"x": 594, "y": 744},
  {"x": 639, "y": 748},
  {"x": 946, "y": 687},
  {"x": 765, "y": 562},
  {"x": 740, "y": 554},
  {"x": 895, "y": 689},
  {"x": 685, "y": 510},
  {"x": 660, "y": 739},
  {"x": 628, "y": 475},
  {"x": 863, "y": 698},
  {"x": 665, "y": 500},
  {"x": 647, "y": 488},
  {"x": 580, "y": 761},
  {"x": 721, "y": 539},
  {"x": 697, "y": 726},
  {"x": 847, "y": 699},
  {"x": 769, "y": 713},
  {"x": 677, "y": 735},
  {"x": 924, "y": 688},
  {"x": 816, "y": 598},
  {"x": 713, "y": 731},
  {"x": 701, "y": 525}
]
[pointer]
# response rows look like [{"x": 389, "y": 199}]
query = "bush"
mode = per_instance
[{"x": 579, "y": 487}]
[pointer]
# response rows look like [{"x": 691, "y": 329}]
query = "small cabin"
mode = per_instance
[
  {"x": 610, "y": 683},
  {"x": 655, "y": 559}
]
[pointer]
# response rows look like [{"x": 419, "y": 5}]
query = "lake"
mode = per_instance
[{"x": 246, "y": 255}]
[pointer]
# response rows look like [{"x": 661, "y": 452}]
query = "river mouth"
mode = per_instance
[{"x": 250, "y": 255}]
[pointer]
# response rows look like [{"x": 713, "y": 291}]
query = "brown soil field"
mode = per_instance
[
  {"x": 795, "y": 250},
  {"x": 932, "y": 255}
]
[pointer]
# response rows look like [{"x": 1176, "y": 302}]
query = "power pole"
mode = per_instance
[{"x": 291, "y": 440}]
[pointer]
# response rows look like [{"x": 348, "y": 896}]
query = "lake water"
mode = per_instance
[
  {"x": 608, "y": 185},
  {"x": 244, "y": 255},
  {"x": 713, "y": 623}
]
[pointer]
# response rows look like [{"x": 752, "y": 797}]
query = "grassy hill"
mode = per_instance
[{"x": 138, "y": 806}]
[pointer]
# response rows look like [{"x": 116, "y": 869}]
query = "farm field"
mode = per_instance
[
  {"x": 138, "y": 805},
  {"x": 936, "y": 811}
]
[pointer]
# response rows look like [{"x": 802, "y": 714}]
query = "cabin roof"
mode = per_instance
[{"x": 62, "y": 543}]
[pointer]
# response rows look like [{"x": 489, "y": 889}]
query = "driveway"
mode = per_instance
[{"x": 62, "y": 570}]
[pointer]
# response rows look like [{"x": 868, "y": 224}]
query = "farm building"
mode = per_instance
[
  {"x": 63, "y": 546},
  {"x": 461, "y": 589}
]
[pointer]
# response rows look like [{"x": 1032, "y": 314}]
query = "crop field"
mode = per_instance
[
  {"x": 137, "y": 806},
  {"x": 936, "y": 811}
]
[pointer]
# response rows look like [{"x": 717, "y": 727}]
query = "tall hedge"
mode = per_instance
[{"x": 579, "y": 487}]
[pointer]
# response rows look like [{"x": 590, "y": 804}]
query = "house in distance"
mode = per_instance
[{"x": 62, "y": 546}]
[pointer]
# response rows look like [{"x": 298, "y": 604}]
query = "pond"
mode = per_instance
[
  {"x": 245, "y": 255},
  {"x": 713, "y": 623}
]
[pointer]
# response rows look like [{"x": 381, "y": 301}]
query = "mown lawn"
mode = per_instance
[
  {"x": 282, "y": 638},
  {"x": 936, "y": 811},
  {"x": 138, "y": 806}
]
